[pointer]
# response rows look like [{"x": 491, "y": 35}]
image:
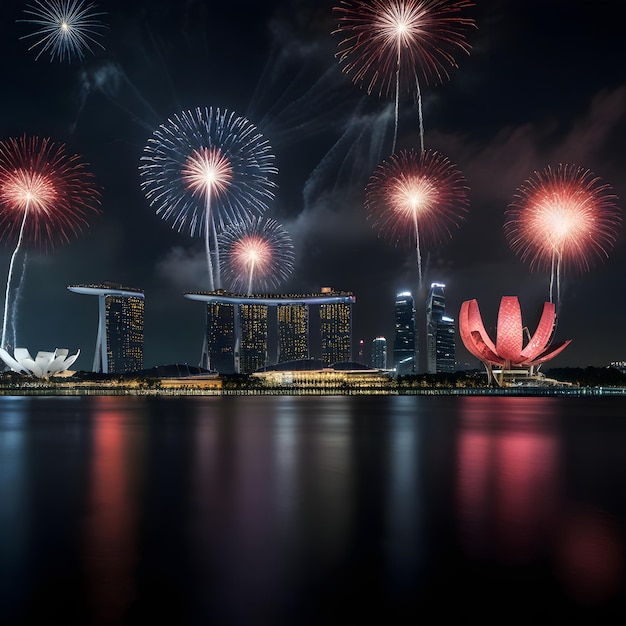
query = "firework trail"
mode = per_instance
[
  {"x": 111, "y": 81},
  {"x": 355, "y": 153},
  {"x": 413, "y": 198},
  {"x": 563, "y": 217},
  {"x": 16, "y": 300},
  {"x": 45, "y": 198},
  {"x": 388, "y": 44},
  {"x": 66, "y": 28},
  {"x": 205, "y": 168},
  {"x": 258, "y": 254}
]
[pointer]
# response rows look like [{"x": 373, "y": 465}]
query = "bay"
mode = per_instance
[{"x": 312, "y": 510}]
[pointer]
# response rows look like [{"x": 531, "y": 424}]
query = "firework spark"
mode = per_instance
[
  {"x": 413, "y": 198},
  {"x": 563, "y": 217},
  {"x": 258, "y": 254},
  {"x": 205, "y": 168},
  {"x": 66, "y": 28},
  {"x": 45, "y": 197},
  {"x": 388, "y": 43}
]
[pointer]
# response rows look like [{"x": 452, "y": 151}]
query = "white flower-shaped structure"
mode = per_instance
[{"x": 43, "y": 365}]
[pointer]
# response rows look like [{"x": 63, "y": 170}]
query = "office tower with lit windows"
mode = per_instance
[
  {"x": 379, "y": 353},
  {"x": 440, "y": 334},
  {"x": 405, "y": 351},
  {"x": 293, "y": 332},
  {"x": 219, "y": 350},
  {"x": 252, "y": 332},
  {"x": 119, "y": 342},
  {"x": 252, "y": 337},
  {"x": 446, "y": 346},
  {"x": 336, "y": 332}
]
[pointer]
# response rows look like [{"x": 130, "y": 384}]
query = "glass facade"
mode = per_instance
[
  {"x": 282, "y": 320},
  {"x": 293, "y": 332},
  {"x": 124, "y": 333},
  {"x": 405, "y": 353},
  {"x": 220, "y": 342},
  {"x": 336, "y": 332},
  {"x": 379, "y": 353},
  {"x": 252, "y": 337},
  {"x": 440, "y": 334},
  {"x": 446, "y": 346}
]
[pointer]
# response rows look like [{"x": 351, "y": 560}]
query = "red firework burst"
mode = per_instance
[
  {"x": 563, "y": 217},
  {"x": 258, "y": 253},
  {"x": 416, "y": 194},
  {"x": 387, "y": 42},
  {"x": 44, "y": 194},
  {"x": 252, "y": 252}
]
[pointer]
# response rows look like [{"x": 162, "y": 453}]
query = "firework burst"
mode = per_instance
[
  {"x": 388, "y": 44},
  {"x": 258, "y": 254},
  {"x": 415, "y": 198},
  {"x": 563, "y": 217},
  {"x": 66, "y": 28},
  {"x": 45, "y": 197},
  {"x": 205, "y": 168}
]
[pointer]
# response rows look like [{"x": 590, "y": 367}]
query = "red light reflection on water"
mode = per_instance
[
  {"x": 512, "y": 507},
  {"x": 109, "y": 540},
  {"x": 590, "y": 555},
  {"x": 507, "y": 477}
]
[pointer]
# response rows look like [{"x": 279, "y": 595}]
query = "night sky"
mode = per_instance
[{"x": 544, "y": 84}]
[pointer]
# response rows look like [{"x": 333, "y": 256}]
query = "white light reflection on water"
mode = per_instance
[
  {"x": 15, "y": 518},
  {"x": 404, "y": 507}
]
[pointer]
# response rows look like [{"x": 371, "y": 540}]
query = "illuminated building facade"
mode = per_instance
[
  {"x": 379, "y": 353},
  {"x": 336, "y": 332},
  {"x": 293, "y": 332},
  {"x": 508, "y": 353},
  {"x": 119, "y": 342},
  {"x": 440, "y": 334},
  {"x": 252, "y": 337},
  {"x": 405, "y": 352},
  {"x": 220, "y": 340},
  {"x": 252, "y": 319}
]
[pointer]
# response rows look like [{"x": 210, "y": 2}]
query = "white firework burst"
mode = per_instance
[{"x": 66, "y": 28}]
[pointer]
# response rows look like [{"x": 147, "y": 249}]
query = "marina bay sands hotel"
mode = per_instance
[{"x": 239, "y": 328}]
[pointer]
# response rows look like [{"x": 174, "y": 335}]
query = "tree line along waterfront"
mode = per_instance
[{"x": 562, "y": 381}]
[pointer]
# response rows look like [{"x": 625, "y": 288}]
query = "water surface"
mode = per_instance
[{"x": 312, "y": 510}]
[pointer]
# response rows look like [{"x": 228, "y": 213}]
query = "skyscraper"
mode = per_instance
[
  {"x": 440, "y": 335},
  {"x": 251, "y": 321},
  {"x": 220, "y": 338},
  {"x": 446, "y": 346},
  {"x": 379, "y": 353},
  {"x": 253, "y": 337},
  {"x": 405, "y": 352},
  {"x": 293, "y": 332},
  {"x": 336, "y": 332},
  {"x": 119, "y": 342}
]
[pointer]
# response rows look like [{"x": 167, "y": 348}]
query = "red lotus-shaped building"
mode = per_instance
[{"x": 509, "y": 352}]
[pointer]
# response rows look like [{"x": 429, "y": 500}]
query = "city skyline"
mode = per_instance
[{"x": 541, "y": 86}]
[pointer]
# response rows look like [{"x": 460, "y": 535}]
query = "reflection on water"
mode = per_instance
[
  {"x": 110, "y": 534},
  {"x": 14, "y": 525},
  {"x": 508, "y": 474},
  {"x": 310, "y": 510},
  {"x": 513, "y": 504}
]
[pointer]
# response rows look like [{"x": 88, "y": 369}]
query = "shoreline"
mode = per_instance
[{"x": 51, "y": 391}]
